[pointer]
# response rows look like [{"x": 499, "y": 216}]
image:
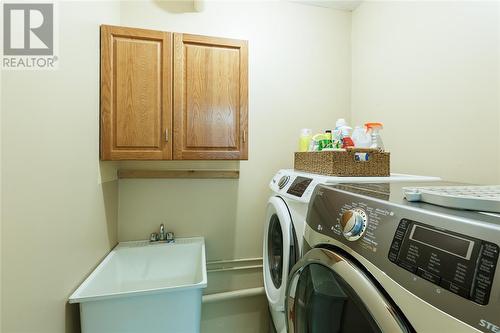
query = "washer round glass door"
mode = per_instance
[
  {"x": 328, "y": 293},
  {"x": 276, "y": 249}
]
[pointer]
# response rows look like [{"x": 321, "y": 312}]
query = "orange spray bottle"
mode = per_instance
[{"x": 374, "y": 130}]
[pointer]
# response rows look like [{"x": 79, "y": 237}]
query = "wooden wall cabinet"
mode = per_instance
[
  {"x": 136, "y": 94},
  {"x": 210, "y": 98},
  {"x": 172, "y": 96}
]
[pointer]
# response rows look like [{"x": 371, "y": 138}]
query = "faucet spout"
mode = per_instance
[
  {"x": 162, "y": 232},
  {"x": 162, "y": 236}
]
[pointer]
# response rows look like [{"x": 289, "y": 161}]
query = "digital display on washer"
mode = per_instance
[
  {"x": 299, "y": 186},
  {"x": 442, "y": 241},
  {"x": 458, "y": 263}
]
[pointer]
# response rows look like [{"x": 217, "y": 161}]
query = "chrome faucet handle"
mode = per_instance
[
  {"x": 162, "y": 232},
  {"x": 153, "y": 237},
  {"x": 170, "y": 237}
]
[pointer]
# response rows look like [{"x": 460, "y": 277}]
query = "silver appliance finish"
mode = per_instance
[
  {"x": 382, "y": 311},
  {"x": 385, "y": 208}
]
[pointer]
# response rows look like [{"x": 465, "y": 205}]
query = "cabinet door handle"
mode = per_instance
[
  {"x": 166, "y": 134},
  {"x": 244, "y": 136}
]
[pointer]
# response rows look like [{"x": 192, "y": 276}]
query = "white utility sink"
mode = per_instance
[{"x": 145, "y": 287}]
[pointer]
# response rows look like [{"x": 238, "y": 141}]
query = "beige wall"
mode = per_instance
[
  {"x": 299, "y": 76},
  {"x": 430, "y": 71},
  {"x": 1, "y": 205},
  {"x": 248, "y": 316},
  {"x": 59, "y": 218},
  {"x": 498, "y": 78}
]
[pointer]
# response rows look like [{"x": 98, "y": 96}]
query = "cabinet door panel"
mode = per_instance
[
  {"x": 214, "y": 104},
  {"x": 210, "y": 98},
  {"x": 135, "y": 93}
]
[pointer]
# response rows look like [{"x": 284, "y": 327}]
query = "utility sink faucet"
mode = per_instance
[{"x": 162, "y": 236}]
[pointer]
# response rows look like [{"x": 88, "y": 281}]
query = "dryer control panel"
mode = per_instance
[
  {"x": 295, "y": 185},
  {"x": 299, "y": 186},
  {"x": 458, "y": 263}
]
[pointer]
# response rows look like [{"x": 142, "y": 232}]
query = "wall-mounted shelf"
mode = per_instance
[{"x": 189, "y": 174}]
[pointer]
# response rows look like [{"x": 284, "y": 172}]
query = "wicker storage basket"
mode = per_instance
[{"x": 344, "y": 163}]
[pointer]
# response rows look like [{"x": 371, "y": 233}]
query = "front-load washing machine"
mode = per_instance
[
  {"x": 284, "y": 229},
  {"x": 374, "y": 262}
]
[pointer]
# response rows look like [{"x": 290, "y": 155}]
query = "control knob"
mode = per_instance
[
  {"x": 353, "y": 223},
  {"x": 283, "y": 181}
]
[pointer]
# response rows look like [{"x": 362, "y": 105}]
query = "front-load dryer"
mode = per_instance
[
  {"x": 284, "y": 229},
  {"x": 375, "y": 262}
]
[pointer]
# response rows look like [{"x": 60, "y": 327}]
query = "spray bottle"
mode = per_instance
[{"x": 374, "y": 130}]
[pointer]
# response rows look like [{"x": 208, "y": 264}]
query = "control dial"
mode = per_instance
[
  {"x": 353, "y": 223},
  {"x": 283, "y": 181}
]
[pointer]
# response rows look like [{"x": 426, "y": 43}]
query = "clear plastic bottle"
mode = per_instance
[{"x": 361, "y": 138}]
